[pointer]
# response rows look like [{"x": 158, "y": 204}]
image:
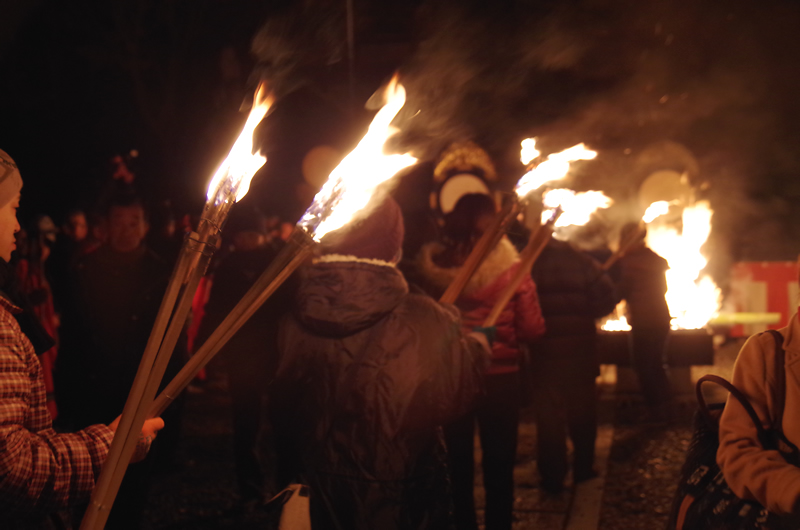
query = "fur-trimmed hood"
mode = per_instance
[
  {"x": 503, "y": 256},
  {"x": 340, "y": 295}
]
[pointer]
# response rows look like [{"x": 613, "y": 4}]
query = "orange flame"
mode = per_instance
[
  {"x": 528, "y": 151},
  {"x": 693, "y": 300},
  {"x": 655, "y": 210},
  {"x": 554, "y": 167},
  {"x": 352, "y": 184},
  {"x": 577, "y": 207},
  {"x": 234, "y": 175}
]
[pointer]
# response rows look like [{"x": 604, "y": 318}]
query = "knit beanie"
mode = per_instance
[
  {"x": 10, "y": 179},
  {"x": 378, "y": 236}
]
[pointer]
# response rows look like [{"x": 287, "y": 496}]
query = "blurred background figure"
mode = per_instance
[
  {"x": 573, "y": 292},
  {"x": 98, "y": 233},
  {"x": 33, "y": 253},
  {"x": 117, "y": 292},
  {"x": 250, "y": 357},
  {"x": 67, "y": 247},
  {"x": 164, "y": 237},
  {"x": 497, "y": 412},
  {"x": 643, "y": 285}
]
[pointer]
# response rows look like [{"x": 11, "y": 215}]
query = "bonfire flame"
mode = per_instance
[
  {"x": 620, "y": 324},
  {"x": 577, "y": 207},
  {"x": 352, "y": 184},
  {"x": 554, "y": 167},
  {"x": 233, "y": 177},
  {"x": 693, "y": 300}
]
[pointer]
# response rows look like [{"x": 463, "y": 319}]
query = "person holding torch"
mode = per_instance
[
  {"x": 497, "y": 412},
  {"x": 42, "y": 473},
  {"x": 368, "y": 372}
]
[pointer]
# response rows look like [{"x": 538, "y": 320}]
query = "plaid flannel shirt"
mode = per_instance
[{"x": 41, "y": 471}]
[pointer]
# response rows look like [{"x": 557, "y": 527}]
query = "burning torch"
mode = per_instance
[
  {"x": 347, "y": 195},
  {"x": 552, "y": 168},
  {"x": 229, "y": 184},
  {"x": 564, "y": 208}
]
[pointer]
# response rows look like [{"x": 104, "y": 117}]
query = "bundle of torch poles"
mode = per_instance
[{"x": 351, "y": 189}]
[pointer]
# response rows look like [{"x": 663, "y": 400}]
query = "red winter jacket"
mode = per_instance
[{"x": 520, "y": 321}]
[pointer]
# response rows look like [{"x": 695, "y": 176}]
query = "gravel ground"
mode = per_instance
[
  {"x": 199, "y": 492},
  {"x": 642, "y": 471}
]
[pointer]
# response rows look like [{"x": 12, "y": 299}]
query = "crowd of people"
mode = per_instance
[{"x": 374, "y": 390}]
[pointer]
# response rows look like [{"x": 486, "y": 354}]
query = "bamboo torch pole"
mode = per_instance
[
  {"x": 195, "y": 256},
  {"x": 297, "y": 250},
  {"x": 625, "y": 246},
  {"x": 536, "y": 243},
  {"x": 201, "y": 253},
  {"x": 362, "y": 171},
  {"x": 484, "y": 245},
  {"x": 227, "y": 186},
  {"x": 138, "y": 387}
]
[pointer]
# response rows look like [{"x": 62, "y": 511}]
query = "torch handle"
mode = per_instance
[
  {"x": 97, "y": 509},
  {"x": 296, "y": 251},
  {"x": 485, "y": 244},
  {"x": 163, "y": 357},
  {"x": 536, "y": 243},
  {"x": 624, "y": 247}
]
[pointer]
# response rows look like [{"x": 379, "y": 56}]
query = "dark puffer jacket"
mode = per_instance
[
  {"x": 573, "y": 293},
  {"x": 643, "y": 284},
  {"x": 366, "y": 375}
]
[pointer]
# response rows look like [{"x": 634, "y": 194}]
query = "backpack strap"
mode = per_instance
[
  {"x": 709, "y": 378},
  {"x": 780, "y": 379},
  {"x": 789, "y": 450}
]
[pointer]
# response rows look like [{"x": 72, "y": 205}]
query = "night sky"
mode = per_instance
[{"x": 709, "y": 87}]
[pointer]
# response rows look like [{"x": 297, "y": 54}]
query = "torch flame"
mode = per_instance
[
  {"x": 529, "y": 151},
  {"x": 577, "y": 207},
  {"x": 236, "y": 172},
  {"x": 655, "y": 210},
  {"x": 554, "y": 167},
  {"x": 352, "y": 184}
]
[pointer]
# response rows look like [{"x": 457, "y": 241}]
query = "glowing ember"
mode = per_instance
[
  {"x": 529, "y": 151},
  {"x": 692, "y": 300},
  {"x": 554, "y": 167},
  {"x": 578, "y": 207},
  {"x": 655, "y": 210},
  {"x": 234, "y": 175},
  {"x": 353, "y": 182}
]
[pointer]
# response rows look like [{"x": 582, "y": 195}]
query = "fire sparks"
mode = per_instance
[
  {"x": 234, "y": 175},
  {"x": 352, "y": 184},
  {"x": 554, "y": 167},
  {"x": 577, "y": 207}
]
